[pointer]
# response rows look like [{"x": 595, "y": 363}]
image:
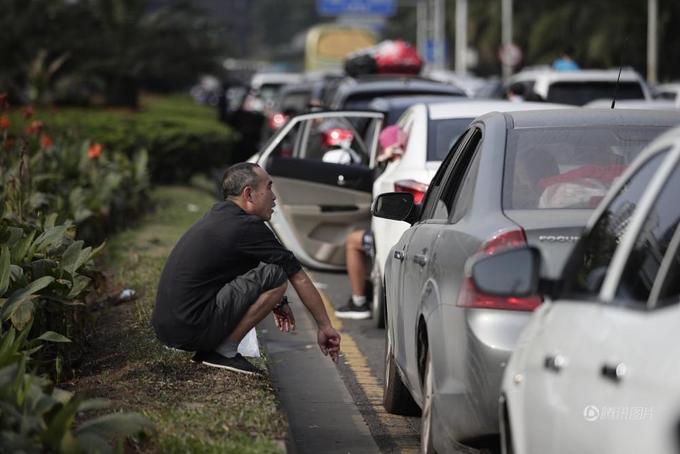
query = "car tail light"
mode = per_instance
[
  {"x": 414, "y": 187},
  {"x": 336, "y": 136},
  {"x": 470, "y": 297},
  {"x": 277, "y": 120}
]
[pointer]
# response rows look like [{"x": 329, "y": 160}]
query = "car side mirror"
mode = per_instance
[
  {"x": 397, "y": 206},
  {"x": 508, "y": 273}
]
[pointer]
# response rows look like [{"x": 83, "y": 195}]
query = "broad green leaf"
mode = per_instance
[
  {"x": 4, "y": 269},
  {"x": 82, "y": 214},
  {"x": 59, "y": 425},
  {"x": 44, "y": 267},
  {"x": 22, "y": 295},
  {"x": 22, "y": 314},
  {"x": 50, "y": 238},
  {"x": 69, "y": 260},
  {"x": 91, "y": 442},
  {"x": 117, "y": 424},
  {"x": 80, "y": 282},
  {"x": 61, "y": 395},
  {"x": 84, "y": 257},
  {"x": 21, "y": 249},
  {"x": 15, "y": 234},
  {"x": 94, "y": 404},
  {"x": 51, "y": 336},
  {"x": 50, "y": 220}
]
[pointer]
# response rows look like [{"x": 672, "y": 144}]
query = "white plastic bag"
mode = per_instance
[{"x": 249, "y": 345}]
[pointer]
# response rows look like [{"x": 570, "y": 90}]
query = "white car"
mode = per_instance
[
  {"x": 430, "y": 130},
  {"x": 596, "y": 368},
  {"x": 581, "y": 86}
]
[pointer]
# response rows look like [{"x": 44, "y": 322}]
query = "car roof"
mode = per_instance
[
  {"x": 466, "y": 108},
  {"x": 396, "y": 102},
  {"x": 634, "y": 104},
  {"x": 580, "y": 117},
  {"x": 581, "y": 75},
  {"x": 260, "y": 79},
  {"x": 396, "y": 83}
]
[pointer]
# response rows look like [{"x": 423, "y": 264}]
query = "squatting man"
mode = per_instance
[{"x": 228, "y": 272}]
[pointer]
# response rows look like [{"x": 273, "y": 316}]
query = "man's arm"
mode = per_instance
[{"x": 328, "y": 337}]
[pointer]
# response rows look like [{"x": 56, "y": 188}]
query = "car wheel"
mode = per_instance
[
  {"x": 379, "y": 300},
  {"x": 426, "y": 445},
  {"x": 396, "y": 397}
]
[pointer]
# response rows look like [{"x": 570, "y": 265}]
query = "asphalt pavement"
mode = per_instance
[{"x": 334, "y": 408}]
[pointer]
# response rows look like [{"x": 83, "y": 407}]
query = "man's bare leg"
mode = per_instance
[{"x": 356, "y": 262}]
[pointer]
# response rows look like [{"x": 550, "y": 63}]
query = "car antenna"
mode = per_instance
[{"x": 618, "y": 79}]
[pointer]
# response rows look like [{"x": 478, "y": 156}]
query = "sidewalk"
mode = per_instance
[{"x": 321, "y": 413}]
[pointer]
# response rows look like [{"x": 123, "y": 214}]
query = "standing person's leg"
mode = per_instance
[
  {"x": 355, "y": 258},
  {"x": 356, "y": 263}
]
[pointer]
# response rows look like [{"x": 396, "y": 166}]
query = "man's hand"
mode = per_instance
[
  {"x": 329, "y": 342},
  {"x": 284, "y": 319}
]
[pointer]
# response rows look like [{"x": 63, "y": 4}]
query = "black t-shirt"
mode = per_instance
[{"x": 226, "y": 243}]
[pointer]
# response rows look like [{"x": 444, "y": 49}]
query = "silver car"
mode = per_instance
[
  {"x": 596, "y": 369},
  {"x": 512, "y": 179}
]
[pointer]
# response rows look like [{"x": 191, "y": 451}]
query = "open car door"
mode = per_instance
[{"x": 322, "y": 168}]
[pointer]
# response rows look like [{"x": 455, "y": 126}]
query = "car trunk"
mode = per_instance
[{"x": 554, "y": 231}]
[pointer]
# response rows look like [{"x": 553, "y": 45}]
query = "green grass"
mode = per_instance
[{"x": 195, "y": 408}]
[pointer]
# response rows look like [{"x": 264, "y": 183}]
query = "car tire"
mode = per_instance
[
  {"x": 396, "y": 397},
  {"x": 379, "y": 300},
  {"x": 426, "y": 421}
]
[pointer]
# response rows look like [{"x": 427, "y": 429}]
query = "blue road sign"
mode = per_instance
[{"x": 355, "y": 7}]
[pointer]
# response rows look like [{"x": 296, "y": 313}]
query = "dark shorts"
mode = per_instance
[{"x": 232, "y": 302}]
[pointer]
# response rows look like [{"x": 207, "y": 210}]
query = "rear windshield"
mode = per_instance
[
  {"x": 294, "y": 102},
  {"x": 568, "y": 167},
  {"x": 442, "y": 134},
  {"x": 580, "y": 93}
]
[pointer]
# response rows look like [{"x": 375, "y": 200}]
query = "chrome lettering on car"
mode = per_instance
[{"x": 559, "y": 238}]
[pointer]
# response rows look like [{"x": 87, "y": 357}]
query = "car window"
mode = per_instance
[
  {"x": 441, "y": 134},
  {"x": 463, "y": 198},
  {"x": 580, "y": 93},
  {"x": 644, "y": 261},
  {"x": 435, "y": 190},
  {"x": 443, "y": 204},
  {"x": 587, "y": 266},
  {"x": 567, "y": 168},
  {"x": 666, "y": 290}
]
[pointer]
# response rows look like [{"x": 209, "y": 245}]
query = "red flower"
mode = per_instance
[
  {"x": 45, "y": 141},
  {"x": 94, "y": 151},
  {"x": 35, "y": 127},
  {"x": 4, "y": 122},
  {"x": 28, "y": 112},
  {"x": 4, "y": 103}
]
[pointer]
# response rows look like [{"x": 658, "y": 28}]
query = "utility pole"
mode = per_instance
[
  {"x": 439, "y": 18},
  {"x": 506, "y": 32},
  {"x": 422, "y": 28},
  {"x": 461, "y": 36},
  {"x": 652, "y": 43}
]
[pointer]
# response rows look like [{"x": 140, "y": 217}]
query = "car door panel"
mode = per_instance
[{"x": 318, "y": 202}]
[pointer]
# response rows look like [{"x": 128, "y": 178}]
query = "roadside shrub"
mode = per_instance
[
  {"x": 38, "y": 417},
  {"x": 182, "y": 138}
]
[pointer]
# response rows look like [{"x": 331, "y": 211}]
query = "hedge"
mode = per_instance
[{"x": 181, "y": 137}]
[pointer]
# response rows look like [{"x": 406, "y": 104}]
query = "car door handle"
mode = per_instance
[
  {"x": 555, "y": 363},
  {"x": 613, "y": 372},
  {"x": 420, "y": 259},
  {"x": 399, "y": 255}
]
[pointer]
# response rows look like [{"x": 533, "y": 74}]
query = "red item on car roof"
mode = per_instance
[{"x": 397, "y": 57}]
